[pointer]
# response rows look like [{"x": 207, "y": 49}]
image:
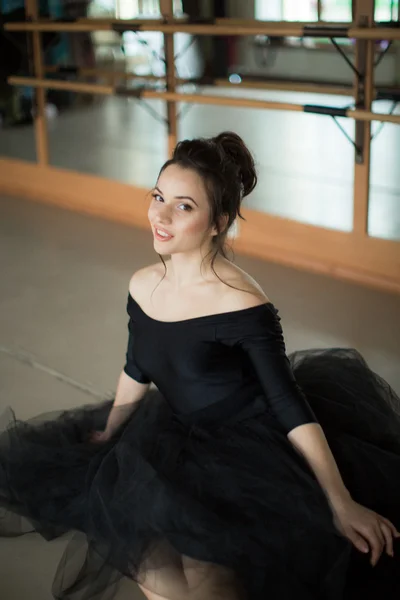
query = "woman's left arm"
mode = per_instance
[
  {"x": 364, "y": 528},
  {"x": 260, "y": 335},
  {"x": 310, "y": 441}
]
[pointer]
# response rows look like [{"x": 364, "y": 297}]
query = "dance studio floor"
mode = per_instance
[
  {"x": 305, "y": 162},
  {"x": 63, "y": 333}
]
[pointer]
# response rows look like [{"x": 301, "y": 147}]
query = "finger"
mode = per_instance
[
  {"x": 392, "y": 527},
  {"x": 376, "y": 542},
  {"x": 373, "y": 529},
  {"x": 358, "y": 541},
  {"x": 387, "y": 534}
]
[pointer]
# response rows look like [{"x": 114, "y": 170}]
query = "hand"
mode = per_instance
[
  {"x": 367, "y": 530},
  {"x": 99, "y": 437}
]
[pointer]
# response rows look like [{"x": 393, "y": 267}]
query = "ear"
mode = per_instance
[{"x": 223, "y": 224}]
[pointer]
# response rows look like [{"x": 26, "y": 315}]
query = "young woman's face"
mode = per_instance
[{"x": 179, "y": 213}]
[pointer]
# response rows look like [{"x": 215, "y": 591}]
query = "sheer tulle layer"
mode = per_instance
[{"x": 171, "y": 502}]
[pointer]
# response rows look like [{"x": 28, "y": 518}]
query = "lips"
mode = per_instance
[{"x": 161, "y": 234}]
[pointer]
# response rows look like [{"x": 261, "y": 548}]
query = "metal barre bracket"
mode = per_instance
[
  {"x": 122, "y": 27},
  {"x": 389, "y": 24},
  {"x": 200, "y": 21},
  {"x": 388, "y": 95},
  {"x": 321, "y": 31},
  {"x": 334, "y": 112},
  {"x": 331, "y": 111},
  {"x": 123, "y": 91}
]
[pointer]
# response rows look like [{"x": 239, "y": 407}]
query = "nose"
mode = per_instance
[{"x": 164, "y": 214}]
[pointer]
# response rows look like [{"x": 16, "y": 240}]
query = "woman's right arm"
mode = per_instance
[
  {"x": 133, "y": 383},
  {"x": 128, "y": 394}
]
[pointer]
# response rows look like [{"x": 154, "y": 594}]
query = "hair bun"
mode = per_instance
[{"x": 236, "y": 150}]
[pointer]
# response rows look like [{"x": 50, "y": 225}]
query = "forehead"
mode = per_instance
[{"x": 176, "y": 181}]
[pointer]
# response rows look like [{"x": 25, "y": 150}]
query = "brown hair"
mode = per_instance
[{"x": 227, "y": 169}]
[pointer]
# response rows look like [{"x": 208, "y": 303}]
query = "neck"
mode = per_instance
[{"x": 189, "y": 269}]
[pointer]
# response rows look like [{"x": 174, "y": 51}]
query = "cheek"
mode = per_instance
[
  {"x": 198, "y": 226},
  {"x": 151, "y": 211}
]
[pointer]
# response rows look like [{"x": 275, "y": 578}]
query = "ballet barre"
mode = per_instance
[
  {"x": 140, "y": 93},
  {"x": 212, "y": 27},
  {"x": 242, "y": 81}
]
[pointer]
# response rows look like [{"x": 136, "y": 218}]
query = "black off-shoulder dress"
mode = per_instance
[{"x": 202, "y": 472}]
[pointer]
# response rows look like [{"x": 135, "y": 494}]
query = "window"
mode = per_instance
[
  {"x": 286, "y": 10},
  {"x": 126, "y": 9},
  {"x": 331, "y": 10},
  {"x": 299, "y": 10},
  {"x": 336, "y": 11},
  {"x": 130, "y": 9},
  {"x": 387, "y": 10}
]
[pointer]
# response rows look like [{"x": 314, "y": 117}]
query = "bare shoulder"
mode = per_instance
[
  {"x": 144, "y": 278},
  {"x": 241, "y": 291}
]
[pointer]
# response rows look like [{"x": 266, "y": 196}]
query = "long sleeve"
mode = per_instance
[
  {"x": 131, "y": 368},
  {"x": 259, "y": 334}
]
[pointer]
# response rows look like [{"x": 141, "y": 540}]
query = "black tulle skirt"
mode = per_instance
[{"x": 179, "y": 507}]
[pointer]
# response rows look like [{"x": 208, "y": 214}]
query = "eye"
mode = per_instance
[
  {"x": 158, "y": 198},
  {"x": 185, "y": 207}
]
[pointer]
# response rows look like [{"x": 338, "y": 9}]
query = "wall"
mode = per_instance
[
  {"x": 304, "y": 63},
  {"x": 315, "y": 65}
]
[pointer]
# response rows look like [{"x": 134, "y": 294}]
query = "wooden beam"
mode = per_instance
[
  {"x": 367, "y": 261},
  {"x": 287, "y": 86},
  {"x": 167, "y": 11},
  {"x": 173, "y": 97},
  {"x": 70, "y": 86},
  {"x": 253, "y": 82},
  {"x": 340, "y": 89},
  {"x": 41, "y": 138},
  {"x": 367, "y": 116},
  {"x": 319, "y": 10},
  {"x": 364, "y": 90},
  {"x": 175, "y": 26}
]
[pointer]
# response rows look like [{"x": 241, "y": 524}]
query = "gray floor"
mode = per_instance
[
  {"x": 305, "y": 162},
  {"x": 63, "y": 332}
]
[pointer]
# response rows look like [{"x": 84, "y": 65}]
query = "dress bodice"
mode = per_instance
[{"x": 219, "y": 359}]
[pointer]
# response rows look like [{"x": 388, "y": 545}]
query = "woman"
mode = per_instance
[{"x": 245, "y": 476}]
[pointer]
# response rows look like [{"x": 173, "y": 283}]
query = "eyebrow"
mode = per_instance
[{"x": 178, "y": 197}]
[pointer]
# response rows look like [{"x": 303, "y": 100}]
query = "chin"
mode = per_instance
[{"x": 163, "y": 248}]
